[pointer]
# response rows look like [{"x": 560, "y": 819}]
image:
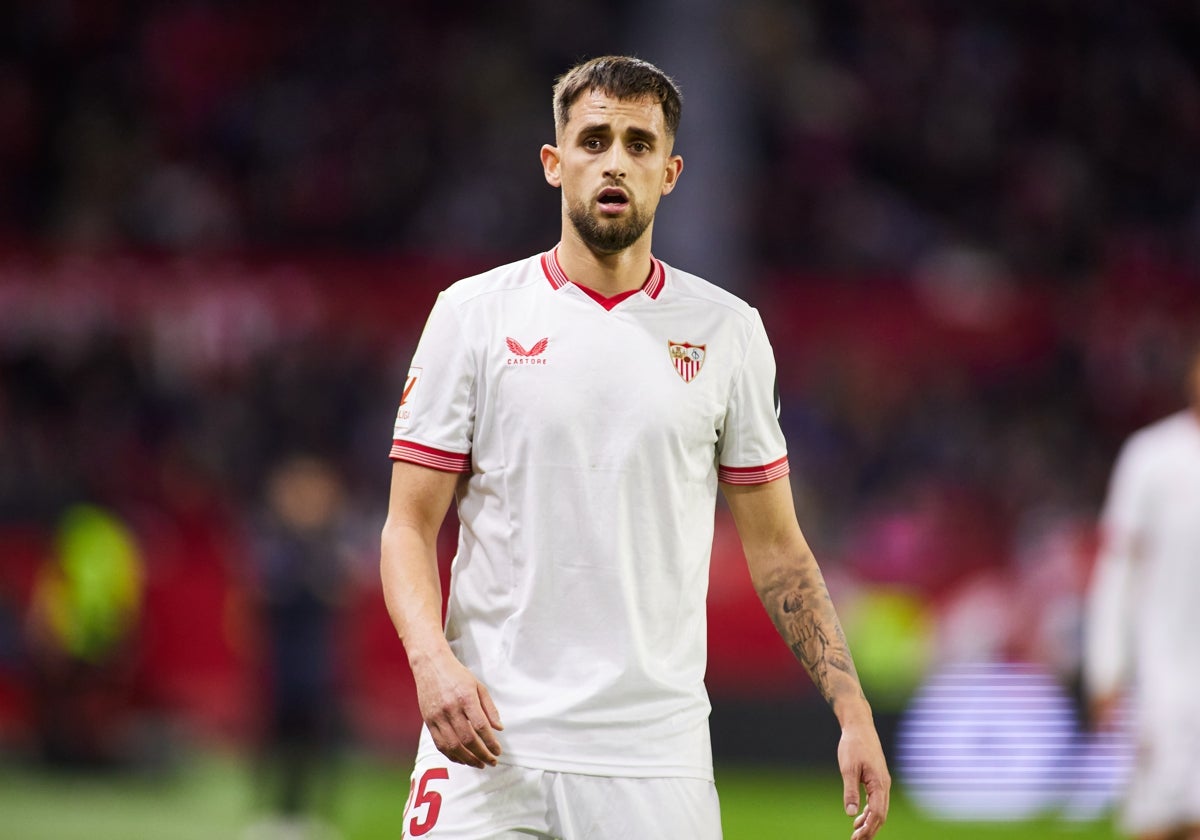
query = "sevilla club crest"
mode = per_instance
[{"x": 687, "y": 358}]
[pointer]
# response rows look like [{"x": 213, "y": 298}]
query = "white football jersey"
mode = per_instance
[{"x": 593, "y": 433}]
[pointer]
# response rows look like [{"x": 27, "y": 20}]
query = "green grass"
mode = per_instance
[
  {"x": 212, "y": 798},
  {"x": 770, "y": 804}
]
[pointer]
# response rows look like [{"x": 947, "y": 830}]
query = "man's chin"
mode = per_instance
[{"x": 609, "y": 236}]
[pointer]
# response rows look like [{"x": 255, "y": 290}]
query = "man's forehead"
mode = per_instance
[{"x": 595, "y": 106}]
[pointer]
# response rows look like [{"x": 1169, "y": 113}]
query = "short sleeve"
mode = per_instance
[
  {"x": 751, "y": 448},
  {"x": 435, "y": 419}
]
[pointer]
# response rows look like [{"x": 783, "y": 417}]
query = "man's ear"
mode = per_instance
[
  {"x": 550, "y": 165},
  {"x": 674, "y": 168}
]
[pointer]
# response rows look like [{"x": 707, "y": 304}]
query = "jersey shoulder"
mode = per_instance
[
  {"x": 688, "y": 286},
  {"x": 503, "y": 278},
  {"x": 1163, "y": 441},
  {"x": 1174, "y": 427}
]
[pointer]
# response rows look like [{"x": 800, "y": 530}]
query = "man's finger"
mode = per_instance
[
  {"x": 879, "y": 787},
  {"x": 454, "y": 750},
  {"x": 452, "y": 743},
  {"x": 878, "y": 800},
  {"x": 861, "y": 829},
  {"x": 489, "y": 709},
  {"x": 462, "y": 755},
  {"x": 484, "y": 733},
  {"x": 850, "y": 791},
  {"x": 471, "y": 741}
]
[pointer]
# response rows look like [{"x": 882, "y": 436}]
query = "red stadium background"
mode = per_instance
[{"x": 951, "y": 542}]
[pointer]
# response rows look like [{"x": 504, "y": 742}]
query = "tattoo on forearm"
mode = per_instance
[{"x": 802, "y": 610}]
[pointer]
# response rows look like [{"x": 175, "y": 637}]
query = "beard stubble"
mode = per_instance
[{"x": 608, "y": 236}]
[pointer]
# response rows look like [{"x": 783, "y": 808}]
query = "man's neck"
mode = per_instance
[{"x": 608, "y": 274}]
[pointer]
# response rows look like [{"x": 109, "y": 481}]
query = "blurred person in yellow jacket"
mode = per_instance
[{"x": 82, "y": 629}]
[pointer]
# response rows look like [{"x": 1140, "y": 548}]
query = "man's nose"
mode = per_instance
[{"x": 614, "y": 164}]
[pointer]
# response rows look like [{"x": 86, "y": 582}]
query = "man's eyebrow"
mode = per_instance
[
  {"x": 641, "y": 133},
  {"x": 606, "y": 128},
  {"x": 596, "y": 128}
]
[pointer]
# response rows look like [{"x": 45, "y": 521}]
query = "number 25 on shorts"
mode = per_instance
[{"x": 421, "y": 795}]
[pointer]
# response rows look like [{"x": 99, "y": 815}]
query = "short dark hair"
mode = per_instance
[{"x": 623, "y": 77}]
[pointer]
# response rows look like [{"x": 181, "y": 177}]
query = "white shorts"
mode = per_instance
[
  {"x": 1164, "y": 791},
  {"x": 448, "y": 801}
]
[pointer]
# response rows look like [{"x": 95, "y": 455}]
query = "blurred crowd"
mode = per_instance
[
  {"x": 1050, "y": 134},
  {"x": 877, "y": 135},
  {"x": 227, "y": 458},
  {"x": 975, "y": 230},
  {"x": 209, "y": 124}
]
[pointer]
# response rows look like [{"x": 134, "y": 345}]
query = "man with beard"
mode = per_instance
[{"x": 582, "y": 407}]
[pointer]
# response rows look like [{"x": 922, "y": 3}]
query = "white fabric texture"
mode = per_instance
[
  {"x": 592, "y": 450},
  {"x": 517, "y": 803}
]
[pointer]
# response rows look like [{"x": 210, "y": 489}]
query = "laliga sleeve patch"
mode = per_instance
[{"x": 407, "y": 399}]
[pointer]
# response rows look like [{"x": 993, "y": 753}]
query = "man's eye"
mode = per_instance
[
  {"x": 639, "y": 147},
  {"x": 592, "y": 143}
]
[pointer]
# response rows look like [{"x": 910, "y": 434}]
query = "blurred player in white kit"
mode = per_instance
[
  {"x": 582, "y": 407},
  {"x": 1143, "y": 622}
]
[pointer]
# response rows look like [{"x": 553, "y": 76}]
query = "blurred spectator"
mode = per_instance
[
  {"x": 299, "y": 583},
  {"x": 1056, "y": 135},
  {"x": 83, "y": 629}
]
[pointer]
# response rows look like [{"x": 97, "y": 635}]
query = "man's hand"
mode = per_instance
[
  {"x": 458, "y": 710},
  {"x": 1104, "y": 711},
  {"x": 860, "y": 757}
]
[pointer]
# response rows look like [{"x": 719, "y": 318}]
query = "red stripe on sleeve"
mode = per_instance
[
  {"x": 427, "y": 456},
  {"x": 754, "y": 475}
]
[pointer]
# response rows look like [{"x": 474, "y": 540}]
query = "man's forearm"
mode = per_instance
[
  {"x": 789, "y": 583},
  {"x": 1106, "y": 650},
  {"x": 412, "y": 591},
  {"x": 408, "y": 562},
  {"x": 795, "y": 596},
  {"x": 460, "y": 715}
]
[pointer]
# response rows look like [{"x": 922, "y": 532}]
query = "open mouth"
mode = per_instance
[{"x": 613, "y": 199}]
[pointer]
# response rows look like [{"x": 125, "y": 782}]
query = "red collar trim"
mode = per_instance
[
  {"x": 558, "y": 278},
  {"x": 553, "y": 270},
  {"x": 607, "y": 302}
]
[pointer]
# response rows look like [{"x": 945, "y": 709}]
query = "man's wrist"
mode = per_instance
[
  {"x": 853, "y": 711},
  {"x": 423, "y": 651}
]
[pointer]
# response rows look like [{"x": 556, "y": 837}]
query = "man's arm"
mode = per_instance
[
  {"x": 1107, "y": 631},
  {"x": 790, "y": 584},
  {"x": 456, "y": 707},
  {"x": 1108, "y": 634}
]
